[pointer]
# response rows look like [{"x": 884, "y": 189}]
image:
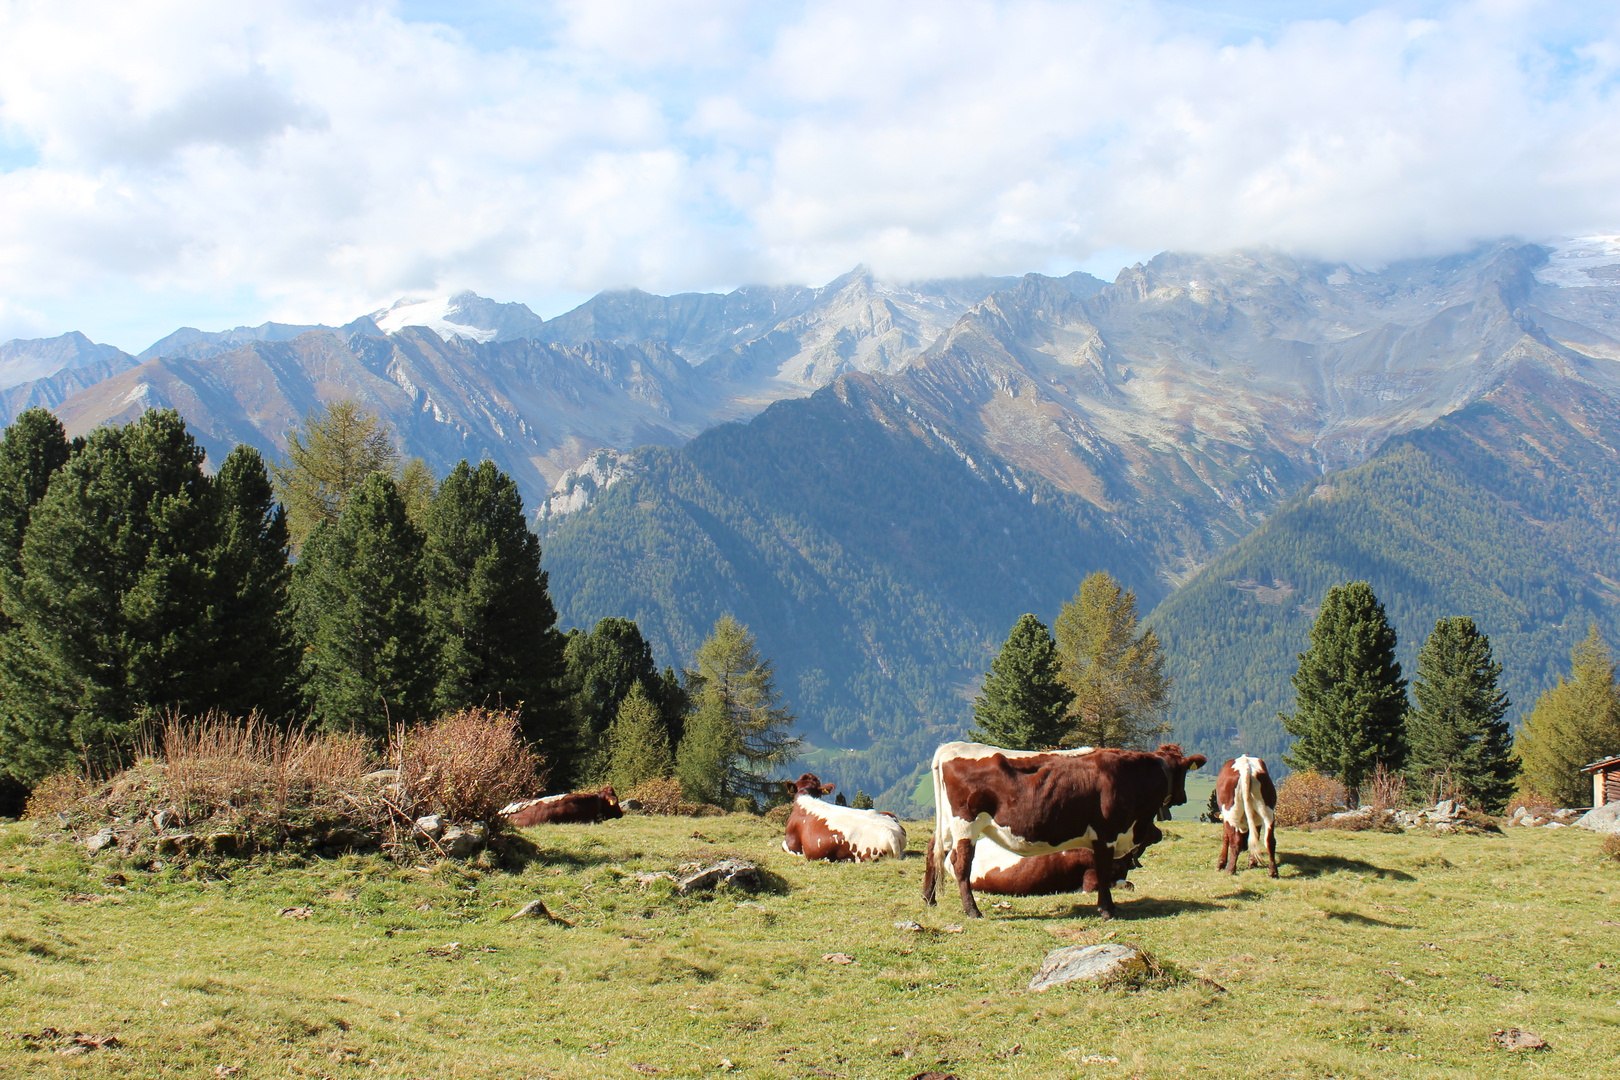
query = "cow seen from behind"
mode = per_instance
[
  {"x": 1248, "y": 804},
  {"x": 820, "y": 830}
]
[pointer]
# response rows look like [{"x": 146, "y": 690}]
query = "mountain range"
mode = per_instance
[{"x": 879, "y": 478}]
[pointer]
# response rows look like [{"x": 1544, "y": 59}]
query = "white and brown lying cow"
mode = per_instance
[
  {"x": 568, "y": 809},
  {"x": 1248, "y": 802},
  {"x": 997, "y": 870},
  {"x": 1034, "y": 802},
  {"x": 820, "y": 830}
]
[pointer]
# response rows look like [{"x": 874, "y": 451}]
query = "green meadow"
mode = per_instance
[{"x": 1373, "y": 955}]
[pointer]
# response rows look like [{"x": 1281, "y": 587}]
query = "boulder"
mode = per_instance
[
  {"x": 1088, "y": 963},
  {"x": 703, "y": 877},
  {"x": 164, "y": 818},
  {"x": 1444, "y": 810},
  {"x": 101, "y": 839},
  {"x": 1602, "y": 819},
  {"x": 431, "y": 825},
  {"x": 460, "y": 841}
]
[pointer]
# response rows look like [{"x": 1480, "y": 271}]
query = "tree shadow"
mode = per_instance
[
  {"x": 516, "y": 851},
  {"x": 1317, "y": 865},
  {"x": 1357, "y": 919}
]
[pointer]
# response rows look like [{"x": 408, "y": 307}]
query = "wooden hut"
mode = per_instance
[{"x": 1605, "y": 780}]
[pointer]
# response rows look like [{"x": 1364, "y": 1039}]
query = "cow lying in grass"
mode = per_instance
[
  {"x": 997, "y": 870},
  {"x": 1248, "y": 802},
  {"x": 1043, "y": 802},
  {"x": 570, "y": 809},
  {"x": 819, "y": 830}
]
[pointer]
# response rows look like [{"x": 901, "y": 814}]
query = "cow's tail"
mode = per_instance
[
  {"x": 939, "y": 845},
  {"x": 1249, "y": 802}
]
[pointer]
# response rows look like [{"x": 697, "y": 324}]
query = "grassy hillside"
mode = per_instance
[
  {"x": 880, "y": 561},
  {"x": 1507, "y": 511},
  {"x": 1371, "y": 955}
]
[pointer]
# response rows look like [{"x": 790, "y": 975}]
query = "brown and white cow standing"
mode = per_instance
[
  {"x": 570, "y": 809},
  {"x": 1042, "y": 802},
  {"x": 997, "y": 870},
  {"x": 1248, "y": 802},
  {"x": 819, "y": 830}
]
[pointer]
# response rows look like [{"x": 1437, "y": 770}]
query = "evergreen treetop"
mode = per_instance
[
  {"x": 1023, "y": 703},
  {"x": 1457, "y": 725},
  {"x": 638, "y": 743},
  {"x": 1351, "y": 699},
  {"x": 739, "y": 728}
]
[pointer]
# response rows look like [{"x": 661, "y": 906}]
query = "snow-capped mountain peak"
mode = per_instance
[{"x": 464, "y": 315}]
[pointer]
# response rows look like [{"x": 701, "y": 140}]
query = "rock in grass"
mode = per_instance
[
  {"x": 737, "y": 873},
  {"x": 431, "y": 825},
  {"x": 534, "y": 909},
  {"x": 460, "y": 841},
  {"x": 1516, "y": 1039},
  {"x": 1602, "y": 819},
  {"x": 1088, "y": 963},
  {"x": 101, "y": 839}
]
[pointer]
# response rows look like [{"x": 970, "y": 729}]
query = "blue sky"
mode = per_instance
[{"x": 203, "y": 164}]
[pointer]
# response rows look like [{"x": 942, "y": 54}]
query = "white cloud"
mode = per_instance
[{"x": 326, "y": 158}]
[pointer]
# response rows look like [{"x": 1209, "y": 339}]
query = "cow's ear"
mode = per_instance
[
  {"x": 790, "y": 787},
  {"x": 1197, "y": 761},
  {"x": 827, "y": 789}
]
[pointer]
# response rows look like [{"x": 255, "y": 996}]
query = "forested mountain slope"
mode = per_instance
[
  {"x": 880, "y": 560},
  {"x": 1507, "y": 511}
]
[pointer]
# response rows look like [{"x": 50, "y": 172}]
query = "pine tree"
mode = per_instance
[
  {"x": 1120, "y": 691},
  {"x": 254, "y": 663},
  {"x": 490, "y": 617},
  {"x": 1023, "y": 704},
  {"x": 1351, "y": 699},
  {"x": 862, "y": 801},
  {"x": 357, "y": 592},
  {"x": 417, "y": 489},
  {"x": 1458, "y": 724},
  {"x": 339, "y": 446},
  {"x": 1572, "y": 724},
  {"x": 738, "y": 728},
  {"x": 111, "y": 608},
  {"x": 33, "y": 449},
  {"x": 638, "y": 742}
]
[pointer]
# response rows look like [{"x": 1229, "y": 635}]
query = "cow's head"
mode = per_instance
[
  {"x": 611, "y": 799},
  {"x": 1175, "y": 770},
  {"x": 809, "y": 784}
]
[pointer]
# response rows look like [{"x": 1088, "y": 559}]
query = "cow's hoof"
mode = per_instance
[
  {"x": 1274, "y": 873},
  {"x": 1105, "y": 916}
]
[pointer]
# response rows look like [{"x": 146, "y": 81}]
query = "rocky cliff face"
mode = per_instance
[{"x": 25, "y": 360}]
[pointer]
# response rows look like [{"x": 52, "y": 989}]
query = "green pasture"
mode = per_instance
[{"x": 1374, "y": 955}]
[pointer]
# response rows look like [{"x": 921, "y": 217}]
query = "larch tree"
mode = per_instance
[
  {"x": 110, "y": 607},
  {"x": 1120, "y": 690},
  {"x": 1574, "y": 723},
  {"x": 1457, "y": 727},
  {"x": 1023, "y": 704},
  {"x": 358, "y": 615},
  {"x": 328, "y": 458},
  {"x": 1351, "y": 702},
  {"x": 638, "y": 743},
  {"x": 491, "y": 620},
  {"x": 738, "y": 727}
]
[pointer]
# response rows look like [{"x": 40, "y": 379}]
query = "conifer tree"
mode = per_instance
[
  {"x": 488, "y": 612},
  {"x": 357, "y": 592},
  {"x": 254, "y": 663},
  {"x": 110, "y": 608},
  {"x": 1457, "y": 724},
  {"x": 1572, "y": 724},
  {"x": 1023, "y": 704},
  {"x": 738, "y": 729},
  {"x": 638, "y": 742},
  {"x": 338, "y": 446},
  {"x": 861, "y": 801},
  {"x": 603, "y": 665},
  {"x": 34, "y": 447},
  {"x": 1351, "y": 699},
  {"x": 1120, "y": 690}
]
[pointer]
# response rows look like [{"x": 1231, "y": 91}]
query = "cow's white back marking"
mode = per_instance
[
  {"x": 869, "y": 833},
  {"x": 1248, "y": 812}
]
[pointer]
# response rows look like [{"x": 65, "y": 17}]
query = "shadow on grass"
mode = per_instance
[
  {"x": 1356, "y": 919},
  {"x": 518, "y": 851},
  {"x": 1317, "y": 865},
  {"x": 1148, "y": 907}
]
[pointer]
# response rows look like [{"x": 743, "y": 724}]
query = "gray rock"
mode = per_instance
[
  {"x": 164, "y": 818},
  {"x": 431, "y": 824},
  {"x": 1088, "y": 963},
  {"x": 1444, "y": 810},
  {"x": 699, "y": 877},
  {"x": 460, "y": 841},
  {"x": 1602, "y": 819},
  {"x": 101, "y": 839}
]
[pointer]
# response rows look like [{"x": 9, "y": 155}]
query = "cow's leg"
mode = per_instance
[
  {"x": 930, "y": 878},
  {"x": 1271, "y": 846},
  {"x": 1226, "y": 843},
  {"x": 964, "y": 878},
  {"x": 1234, "y": 840},
  {"x": 1103, "y": 855}
]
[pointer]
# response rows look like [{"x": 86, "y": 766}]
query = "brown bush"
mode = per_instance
[
  {"x": 56, "y": 794},
  {"x": 778, "y": 815},
  {"x": 663, "y": 795},
  {"x": 464, "y": 765},
  {"x": 1532, "y": 800},
  {"x": 1611, "y": 846},
  {"x": 1384, "y": 790},
  {"x": 1306, "y": 797}
]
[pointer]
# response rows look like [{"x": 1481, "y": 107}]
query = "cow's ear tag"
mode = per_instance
[{"x": 827, "y": 789}]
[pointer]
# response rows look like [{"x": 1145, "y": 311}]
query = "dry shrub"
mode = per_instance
[
  {"x": 1611, "y": 846},
  {"x": 663, "y": 795},
  {"x": 464, "y": 765},
  {"x": 1306, "y": 797},
  {"x": 1384, "y": 790},
  {"x": 778, "y": 815},
  {"x": 217, "y": 762},
  {"x": 56, "y": 794},
  {"x": 1443, "y": 785},
  {"x": 1531, "y": 800}
]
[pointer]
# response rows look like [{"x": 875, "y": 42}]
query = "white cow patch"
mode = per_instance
[
  {"x": 1248, "y": 812},
  {"x": 524, "y": 804},
  {"x": 870, "y": 834}
]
